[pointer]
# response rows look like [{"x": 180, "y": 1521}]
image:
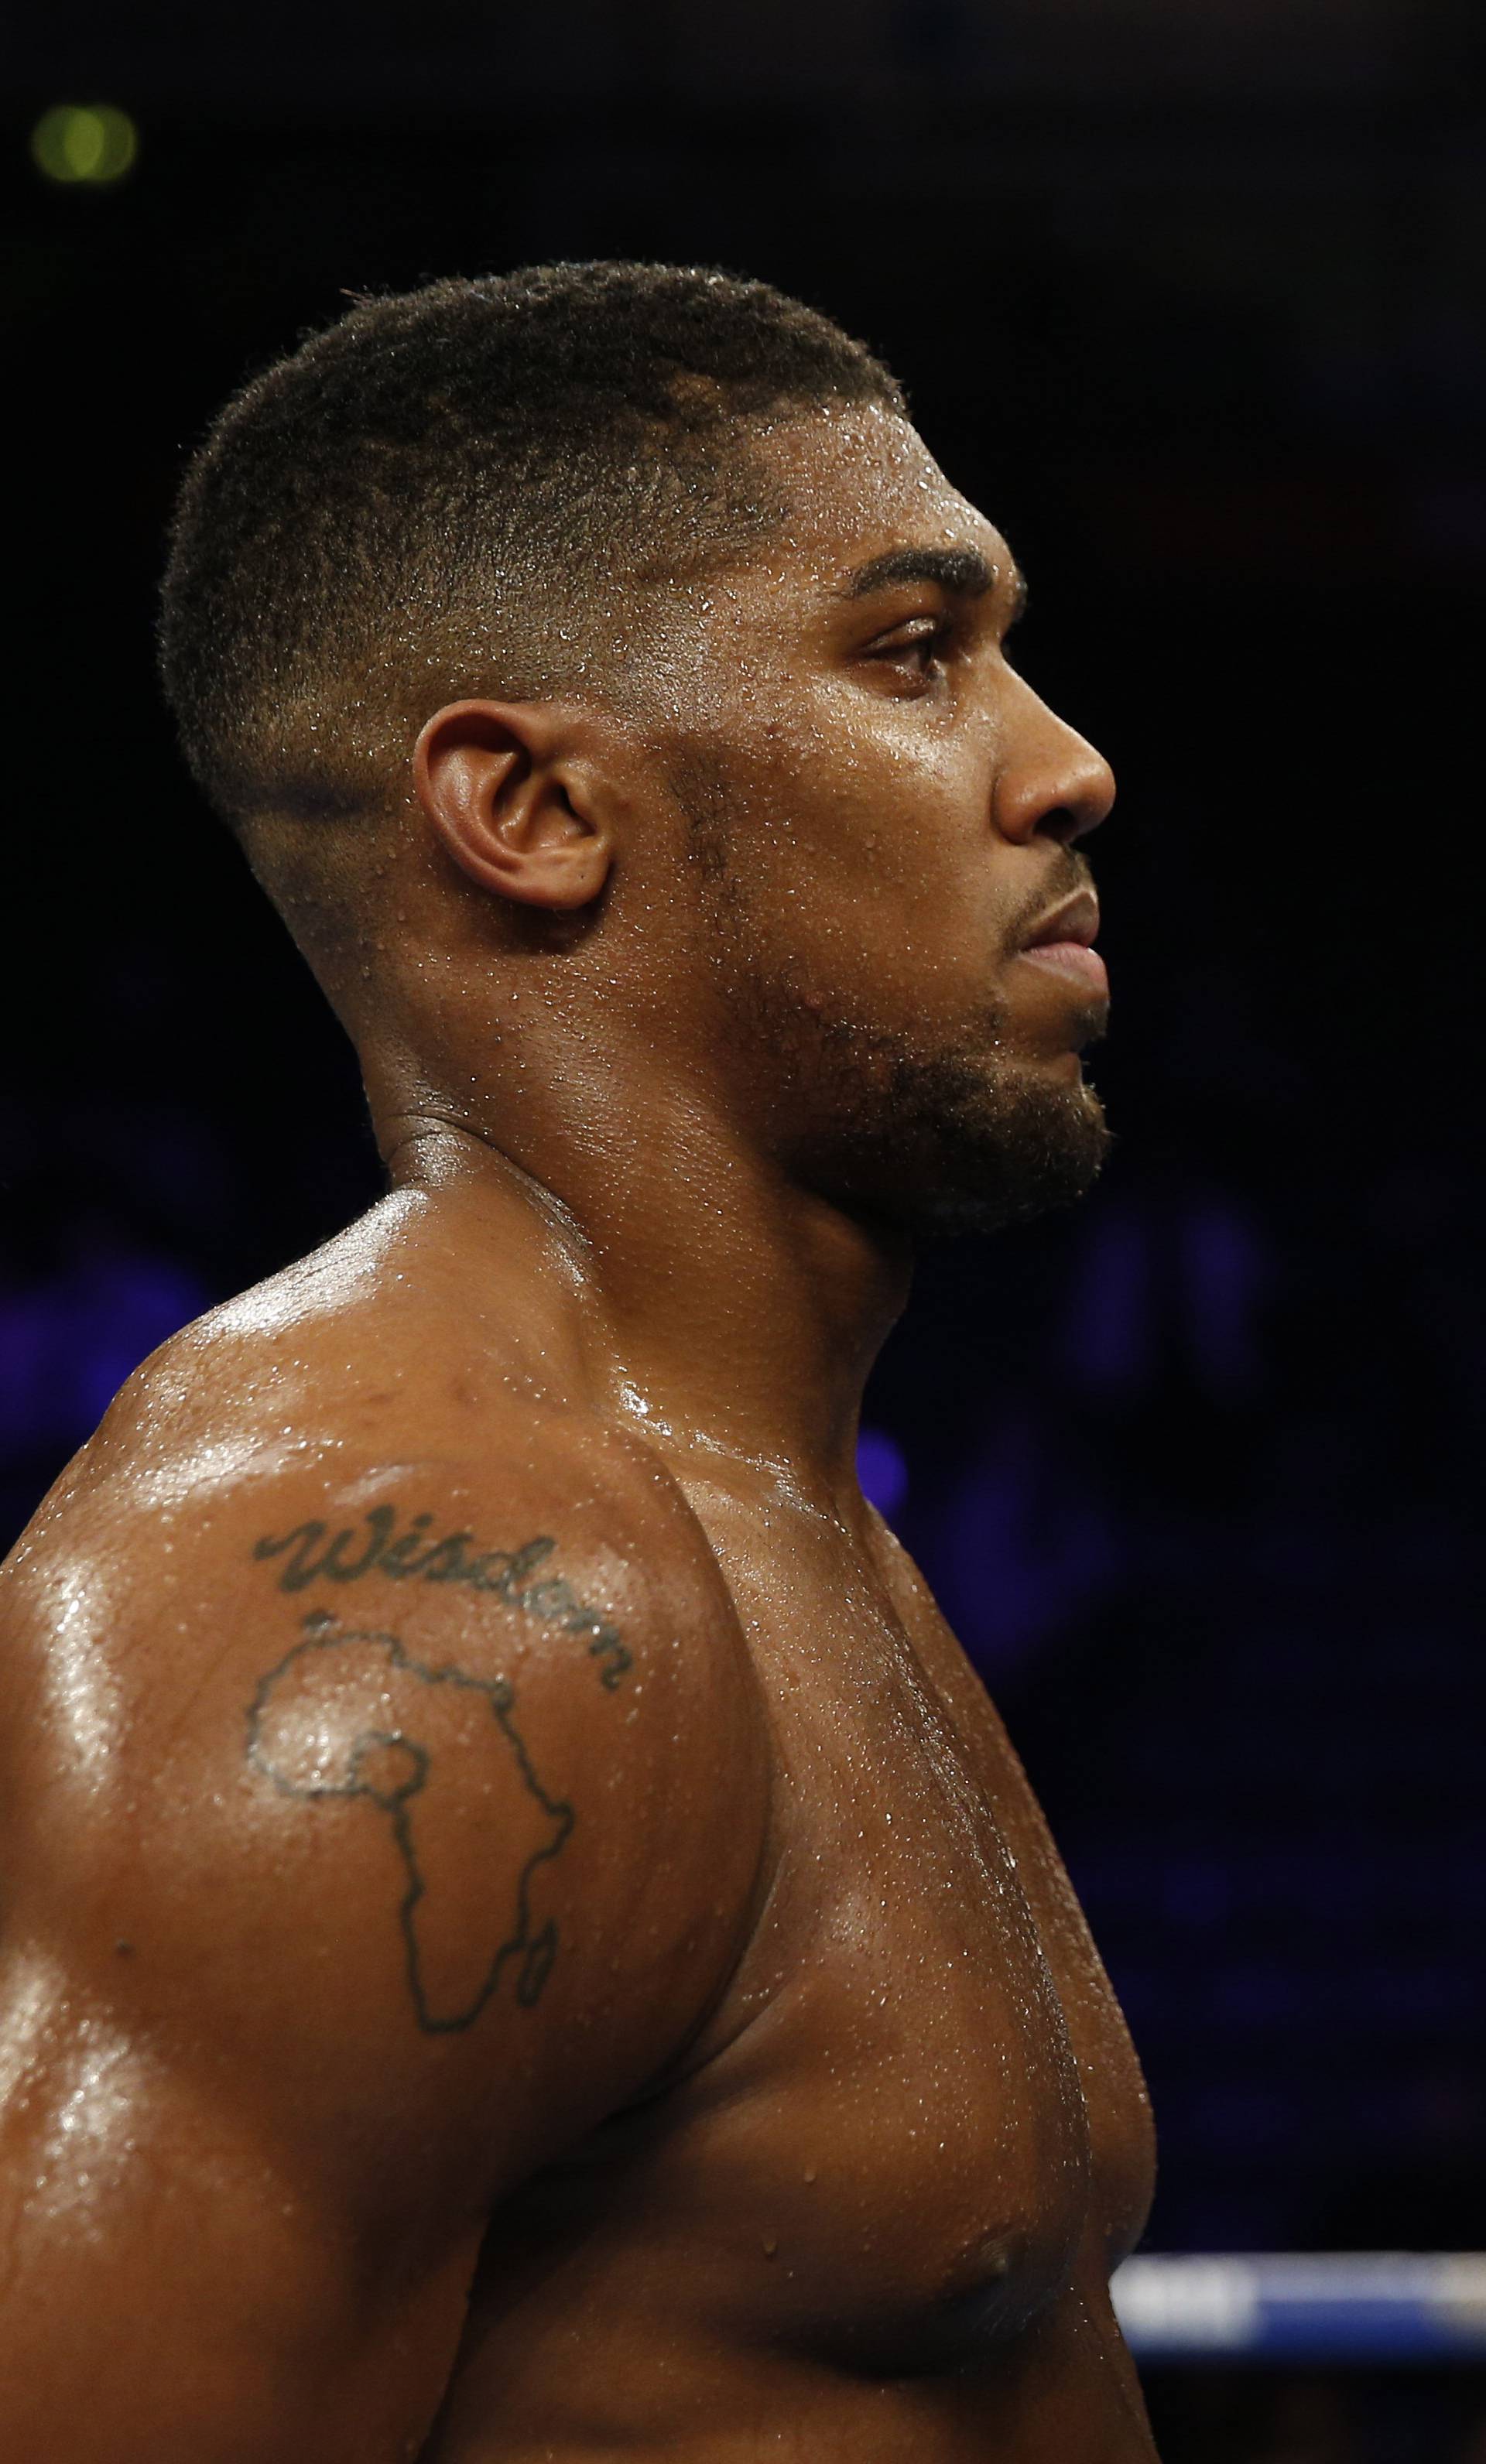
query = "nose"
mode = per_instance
[{"x": 1051, "y": 778}]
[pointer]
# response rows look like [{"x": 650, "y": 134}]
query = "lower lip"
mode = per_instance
[{"x": 1070, "y": 959}]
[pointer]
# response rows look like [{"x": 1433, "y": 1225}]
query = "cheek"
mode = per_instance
[{"x": 873, "y": 842}]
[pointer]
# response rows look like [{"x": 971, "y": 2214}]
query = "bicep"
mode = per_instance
[
  {"x": 270, "y": 2036},
  {"x": 410, "y": 1847},
  {"x": 360, "y": 1884},
  {"x": 176, "y": 2286}
]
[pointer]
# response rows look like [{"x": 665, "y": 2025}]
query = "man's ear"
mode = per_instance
[{"x": 512, "y": 803}]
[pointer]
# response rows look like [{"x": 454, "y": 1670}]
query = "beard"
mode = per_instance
[{"x": 942, "y": 1142}]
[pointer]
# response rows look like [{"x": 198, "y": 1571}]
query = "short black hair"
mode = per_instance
[{"x": 450, "y": 490}]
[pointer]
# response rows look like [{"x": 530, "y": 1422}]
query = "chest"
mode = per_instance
[{"x": 921, "y": 2026}]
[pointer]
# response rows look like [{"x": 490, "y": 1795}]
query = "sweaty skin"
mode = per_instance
[{"x": 523, "y": 1937}]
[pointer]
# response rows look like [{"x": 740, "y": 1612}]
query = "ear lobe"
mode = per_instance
[{"x": 507, "y": 801}]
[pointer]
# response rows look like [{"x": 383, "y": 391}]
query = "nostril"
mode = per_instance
[
  {"x": 1082, "y": 812},
  {"x": 1067, "y": 822}
]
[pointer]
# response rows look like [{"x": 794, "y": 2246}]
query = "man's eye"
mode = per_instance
[{"x": 918, "y": 648}]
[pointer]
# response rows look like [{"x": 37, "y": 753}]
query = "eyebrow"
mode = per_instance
[{"x": 961, "y": 571}]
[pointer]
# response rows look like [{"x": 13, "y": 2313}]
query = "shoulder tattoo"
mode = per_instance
[
  {"x": 351, "y": 1714},
  {"x": 312, "y": 1553}
]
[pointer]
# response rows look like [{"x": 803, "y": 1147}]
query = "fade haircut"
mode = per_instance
[{"x": 465, "y": 490}]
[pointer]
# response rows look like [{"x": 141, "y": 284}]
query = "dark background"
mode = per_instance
[{"x": 1188, "y": 296}]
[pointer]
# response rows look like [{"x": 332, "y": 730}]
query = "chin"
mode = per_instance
[
  {"x": 955, "y": 1149},
  {"x": 1015, "y": 1180}
]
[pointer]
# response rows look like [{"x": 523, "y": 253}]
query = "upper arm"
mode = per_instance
[{"x": 345, "y": 1878}]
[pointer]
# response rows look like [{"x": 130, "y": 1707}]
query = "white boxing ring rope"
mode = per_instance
[{"x": 1366, "y": 2307}]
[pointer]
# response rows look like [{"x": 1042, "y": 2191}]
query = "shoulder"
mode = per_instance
[
  {"x": 366, "y": 1728},
  {"x": 374, "y": 1431}
]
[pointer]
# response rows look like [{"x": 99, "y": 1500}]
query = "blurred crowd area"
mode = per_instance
[
  {"x": 1190, "y": 300},
  {"x": 1204, "y": 2415}
]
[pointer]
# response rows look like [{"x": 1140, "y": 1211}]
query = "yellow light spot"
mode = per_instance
[{"x": 84, "y": 142}]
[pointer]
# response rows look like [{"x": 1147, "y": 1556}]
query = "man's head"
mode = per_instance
[
  {"x": 473, "y": 487},
  {"x": 603, "y": 641}
]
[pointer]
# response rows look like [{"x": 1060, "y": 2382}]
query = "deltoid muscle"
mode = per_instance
[{"x": 434, "y": 1753}]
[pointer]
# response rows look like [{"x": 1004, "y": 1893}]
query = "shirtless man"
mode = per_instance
[{"x": 523, "y": 1937}]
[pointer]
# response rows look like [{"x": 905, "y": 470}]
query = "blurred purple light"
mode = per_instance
[{"x": 882, "y": 1472}]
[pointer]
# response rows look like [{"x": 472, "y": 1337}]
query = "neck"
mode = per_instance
[{"x": 721, "y": 1306}]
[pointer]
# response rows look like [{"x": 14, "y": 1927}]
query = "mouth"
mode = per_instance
[{"x": 1062, "y": 943}]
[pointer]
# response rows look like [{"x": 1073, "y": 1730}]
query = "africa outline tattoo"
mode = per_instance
[
  {"x": 412, "y": 1556},
  {"x": 291, "y": 1741}
]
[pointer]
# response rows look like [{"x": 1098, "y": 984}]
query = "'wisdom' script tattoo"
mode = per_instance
[
  {"x": 413, "y": 1555},
  {"x": 436, "y": 1752}
]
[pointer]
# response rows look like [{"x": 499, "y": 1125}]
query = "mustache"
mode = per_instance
[{"x": 1070, "y": 875}]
